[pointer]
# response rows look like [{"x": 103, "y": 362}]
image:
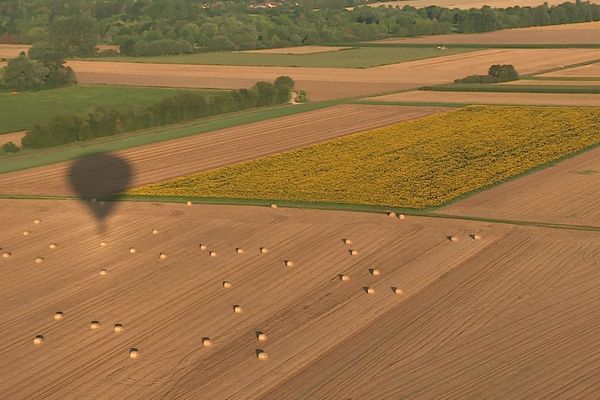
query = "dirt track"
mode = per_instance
[
  {"x": 544, "y": 99},
  {"x": 588, "y": 71},
  {"x": 566, "y": 193},
  {"x": 156, "y": 162},
  {"x": 584, "y": 33},
  {"x": 513, "y": 315},
  {"x": 328, "y": 83}
]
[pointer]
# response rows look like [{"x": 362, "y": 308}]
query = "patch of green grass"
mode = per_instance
[
  {"x": 483, "y": 87},
  {"x": 357, "y": 57},
  {"x": 33, "y": 158},
  {"x": 22, "y": 111}
]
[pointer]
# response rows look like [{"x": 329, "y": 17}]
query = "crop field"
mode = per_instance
[
  {"x": 22, "y": 111},
  {"x": 186, "y": 155},
  {"x": 12, "y": 50},
  {"x": 359, "y": 57},
  {"x": 331, "y": 83},
  {"x": 81, "y": 319},
  {"x": 584, "y": 71},
  {"x": 583, "y": 33},
  {"x": 415, "y": 164},
  {"x": 445, "y": 97}
]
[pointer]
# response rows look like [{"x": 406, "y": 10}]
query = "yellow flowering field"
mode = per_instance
[{"x": 414, "y": 164}]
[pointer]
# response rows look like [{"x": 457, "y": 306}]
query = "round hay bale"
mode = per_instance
[
  {"x": 264, "y": 250},
  {"x": 347, "y": 241},
  {"x": 203, "y": 247},
  {"x": 103, "y": 272},
  {"x": 14, "y": 93},
  {"x": 6, "y": 254},
  {"x": 37, "y": 221},
  {"x": 370, "y": 290},
  {"x": 206, "y": 342},
  {"x": 39, "y": 260},
  {"x": 38, "y": 340},
  {"x": 375, "y": 272},
  {"x": 189, "y": 204},
  {"x": 118, "y": 328},
  {"x": 212, "y": 253},
  {"x": 102, "y": 244},
  {"x": 59, "y": 316},
  {"x": 391, "y": 214},
  {"x": 476, "y": 237},
  {"x": 453, "y": 239},
  {"x": 163, "y": 256},
  {"x": 26, "y": 233},
  {"x": 402, "y": 216},
  {"x": 239, "y": 250},
  {"x": 353, "y": 252},
  {"x": 94, "y": 325},
  {"x": 237, "y": 309},
  {"x": 344, "y": 277},
  {"x": 53, "y": 246},
  {"x": 132, "y": 250},
  {"x": 397, "y": 291},
  {"x": 262, "y": 355},
  {"x": 227, "y": 284},
  {"x": 261, "y": 337},
  {"x": 134, "y": 354},
  {"x": 289, "y": 263},
  {"x": 155, "y": 231},
  {"x": 273, "y": 206}
]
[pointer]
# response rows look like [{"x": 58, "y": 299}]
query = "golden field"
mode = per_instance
[{"x": 415, "y": 164}]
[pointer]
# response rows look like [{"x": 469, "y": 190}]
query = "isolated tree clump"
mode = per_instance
[
  {"x": 497, "y": 73},
  {"x": 10, "y": 148}
]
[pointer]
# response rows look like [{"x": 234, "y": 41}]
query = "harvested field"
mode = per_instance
[
  {"x": 14, "y": 137},
  {"x": 466, "y": 4},
  {"x": 164, "y": 160},
  {"x": 328, "y": 83},
  {"x": 587, "y": 71},
  {"x": 297, "y": 50},
  {"x": 539, "y": 99},
  {"x": 568, "y": 192},
  {"x": 414, "y": 164},
  {"x": 12, "y": 50},
  {"x": 583, "y": 33},
  {"x": 522, "y": 301}
]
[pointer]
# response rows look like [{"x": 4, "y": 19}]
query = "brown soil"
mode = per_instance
[
  {"x": 583, "y": 33},
  {"x": 297, "y": 50},
  {"x": 328, "y": 83},
  {"x": 159, "y": 161},
  {"x": 14, "y": 137},
  {"x": 12, "y": 50},
  {"x": 568, "y": 192},
  {"x": 554, "y": 99},
  {"x": 512, "y": 315}
]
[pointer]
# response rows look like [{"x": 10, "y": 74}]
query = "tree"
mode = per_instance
[
  {"x": 75, "y": 36},
  {"x": 21, "y": 73},
  {"x": 285, "y": 81},
  {"x": 10, "y": 148},
  {"x": 53, "y": 59}
]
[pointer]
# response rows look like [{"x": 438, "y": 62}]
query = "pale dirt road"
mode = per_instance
[
  {"x": 512, "y": 315},
  {"x": 155, "y": 162},
  {"x": 328, "y": 83},
  {"x": 568, "y": 193}
]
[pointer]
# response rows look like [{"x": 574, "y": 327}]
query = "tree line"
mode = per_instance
[
  {"x": 153, "y": 27},
  {"x": 186, "y": 106}
]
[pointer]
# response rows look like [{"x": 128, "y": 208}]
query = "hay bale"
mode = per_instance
[
  {"x": 39, "y": 260},
  {"x": 261, "y": 336},
  {"x": 264, "y": 250},
  {"x": 59, "y": 316},
  {"x": 347, "y": 241},
  {"x": 353, "y": 252},
  {"x": 262, "y": 355},
  {"x": 38, "y": 340},
  {"x": 212, "y": 253},
  {"x": 26, "y": 233},
  {"x": 163, "y": 256},
  {"x": 134, "y": 354},
  {"x": 132, "y": 250},
  {"x": 94, "y": 325},
  {"x": 6, "y": 254},
  {"x": 239, "y": 250},
  {"x": 402, "y": 216},
  {"x": 375, "y": 272},
  {"x": 476, "y": 237},
  {"x": 369, "y": 290},
  {"x": 227, "y": 284},
  {"x": 391, "y": 214},
  {"x": 53, "y": 246},
  {"x": 289, "y": 263},
  {"x": 155, "y": 231},
  {"x": 203, "y": 247},
  {"x": 344, "y": 277},
  {"x": 102, "y": 244},
  {"x": 453, "y": 239},
  {"x": 118, "y": 328},
  {"x": 189, "y": 204},
  {"x": 103, "y": 272},
  {"x": 206, "y": 342},
  {"x": 397, "y": 291},
  {"x": 14, "y": 93},
  {"x": 37, "y": 221},
  {"x": 237, "y": 309},
  {"x": 273, "y": 205}
]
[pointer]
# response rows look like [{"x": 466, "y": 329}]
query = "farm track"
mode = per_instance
[{"x": 160, "y": 161}]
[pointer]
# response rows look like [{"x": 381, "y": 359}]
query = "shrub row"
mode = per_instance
[
  {"x": 497, "y": 73},
  {"x": 186, "y": 106}
]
